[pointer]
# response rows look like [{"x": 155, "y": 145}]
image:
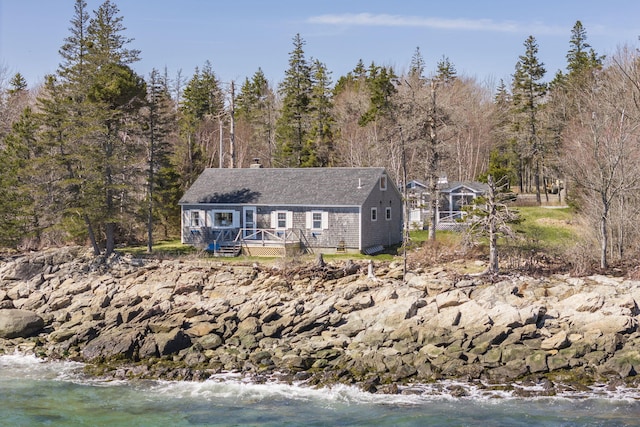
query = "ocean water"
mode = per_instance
[{"x": 36, "y": 393}]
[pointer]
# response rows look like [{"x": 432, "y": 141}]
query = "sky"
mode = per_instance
[{"x": 482, "y": 39}]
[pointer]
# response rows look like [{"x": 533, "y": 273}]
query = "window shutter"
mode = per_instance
[
  {"x": 289, "y": 219},
  {"x": 274, "y": 219},
  {"x": 309, "y": 221},
  {"x": 186, "y": 218},
  {"x": 325, "y": 220}
]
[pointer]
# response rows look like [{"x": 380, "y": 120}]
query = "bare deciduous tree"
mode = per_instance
[{"x": 603, "y": 150}]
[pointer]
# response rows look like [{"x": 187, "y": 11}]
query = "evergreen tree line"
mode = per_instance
[{"x": 100, "y": 154}]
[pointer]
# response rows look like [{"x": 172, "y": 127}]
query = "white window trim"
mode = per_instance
[
  {"x": 235, "y": 222},
  {"x": 324, "y": 220},
  {"x": 387, "y": 213},
  {"x": 202, "y": 219},
  {"x": 374, "y": 214},
  {"x": 288, "y": 220}
]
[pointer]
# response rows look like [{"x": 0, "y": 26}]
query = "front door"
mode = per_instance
[{"x": 249, "y": 221}]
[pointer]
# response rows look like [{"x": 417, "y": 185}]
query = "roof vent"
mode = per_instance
[
  {"x": 359, "y": 183},
  {"x": 256, "y": 164}
]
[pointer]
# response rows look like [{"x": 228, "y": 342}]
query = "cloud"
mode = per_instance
[{"x": 384, "y": 20}]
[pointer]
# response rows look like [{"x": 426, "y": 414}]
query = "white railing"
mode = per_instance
[
  {"x": 451, "y": 216},
  {"x": 452, "y": 222},
  {"x": 269, "y": 235}
]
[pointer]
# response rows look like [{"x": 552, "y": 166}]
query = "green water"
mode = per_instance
[{"x": 55, "y": 394}]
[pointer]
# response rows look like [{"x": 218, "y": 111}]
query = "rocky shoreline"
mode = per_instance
[{"x": 187, "y": 319}]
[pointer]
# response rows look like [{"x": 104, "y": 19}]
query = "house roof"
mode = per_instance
[
  {"x": 451, "y": 186},
  {"x": 474, "y": 186},
  {"x": 285, "y": 186},
  {"x": 415, "y": 184}
]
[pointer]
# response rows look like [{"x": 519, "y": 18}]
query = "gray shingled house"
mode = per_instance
[{"x": 275, "y": 211}]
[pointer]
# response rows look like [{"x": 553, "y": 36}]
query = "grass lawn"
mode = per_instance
[
  {"x": 548, "y": 227},
  {"x": 545, "y": 229},
  {"x": 163, "y": 247},
  {"x": 173, "y": 248}
]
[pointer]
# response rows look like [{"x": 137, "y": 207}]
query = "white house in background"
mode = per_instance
[{"x": 452, "y": 197}]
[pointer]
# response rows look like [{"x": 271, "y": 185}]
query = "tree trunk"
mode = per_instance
[
  {"x": 110, "y": 231},
  {"x": 433, "y": 210},
  {"x": 150, "y": 228},
  {"x": 432, "y": 168},
  {"x": 604, "y": 242},
  {"x": 537, "y": 182},
  {"x": 493, "y": 250},
  {"x": 92, "y": 235},
  {"x": 493, "y": 232}
]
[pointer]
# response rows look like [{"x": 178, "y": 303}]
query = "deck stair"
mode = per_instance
[{"x": 225, "y": 249}]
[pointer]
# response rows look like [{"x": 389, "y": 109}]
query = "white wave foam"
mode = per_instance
[
  {"x": 243, "y": 389},
  {"x": 19, "y": 360},
  {"x": 28, "y": 366}
]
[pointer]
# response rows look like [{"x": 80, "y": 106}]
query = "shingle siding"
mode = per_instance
[
  {"x": 382, "y": 231},
  {"x": 342, "y": 225}
]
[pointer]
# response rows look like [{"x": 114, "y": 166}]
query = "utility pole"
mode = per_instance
[
  {"x": 432, "y": 165},
  {"x": 232, "y": 139},
  {"x": 221, "y": 159},
  {"x": 405, "y": 211}
]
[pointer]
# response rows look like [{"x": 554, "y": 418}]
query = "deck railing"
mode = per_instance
[
  {"x": 280, "y": 241},
  {"x": 269, "y": 235}
]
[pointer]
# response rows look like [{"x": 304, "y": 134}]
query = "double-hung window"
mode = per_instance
[
  {"x": 197, "y": 219},
  {"x": 281, "y": 220},
  {"x": 317, "y": 220}
]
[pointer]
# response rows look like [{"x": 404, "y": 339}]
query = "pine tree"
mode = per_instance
[
  {"x": 581, "y": 57},
  {"x": 318, "y": 151},
  {"x": 417, "y": 67},
  {"x": 353, "y": 80},
  {"x": 57, "y": 137},
  {"x": 201, "y": 117},
  {"x": 98, "y": 98},
  {"x": 380, "y": 82},
  {"x": 75, "y": 47},
  {"x": 13, "y": 100},
  {"x": 203, "y": 97},
  {"x": 18, "y": 216},
  {"x": 503, "y": 160},
  {"x": 528, "y": 92},
  {"x": 17, "y": 84},
  {"x": 158, "y": 128},
  {"x": 293, "y": 125},
  {"x": 350, "y": 102},
  {"x": 256, "y": 114},
  {"x": 446, "y": 73},
  {"x": 582, "y": 66},
  {"x": 115, "y": 96}
]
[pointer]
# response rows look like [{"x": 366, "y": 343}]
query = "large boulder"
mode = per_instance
[
  {"x": 113, "y": 344},
  {"x": 172, "y": 342},
  {"x": 16, "y": 323}
]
